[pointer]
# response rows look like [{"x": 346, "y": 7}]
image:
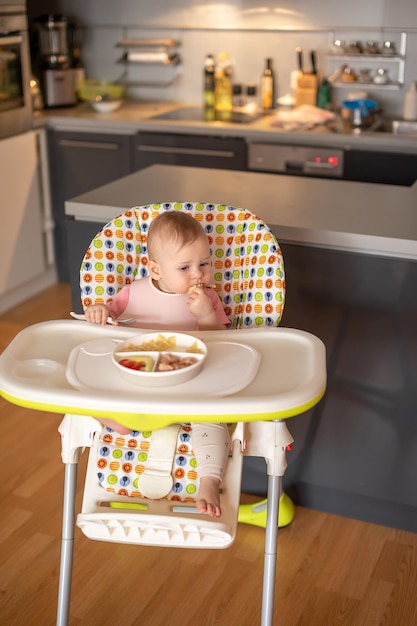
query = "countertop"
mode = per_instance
[
  {"x": 136, "y": 116},
  {"x": 343, "y": 215}
]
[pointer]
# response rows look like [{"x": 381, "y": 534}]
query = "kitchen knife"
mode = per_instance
[
  {"x": 313, "y": 62},
  {"x": 299, "y": 52}
]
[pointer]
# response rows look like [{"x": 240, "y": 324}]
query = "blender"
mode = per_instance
[{"x": 57, "y": 75}]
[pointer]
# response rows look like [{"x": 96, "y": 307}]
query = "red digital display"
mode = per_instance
[{"x": 333, "y": 160}]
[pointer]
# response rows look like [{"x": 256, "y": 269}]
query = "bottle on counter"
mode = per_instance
[
  {"x": 252, "y": 105},
  {"x": 223, "y": 88},
  {"x": 209, "y": 89},
  {"x": 324, "y": 95},
  {"x": 268, "y": 88},
  {"x": 78, "y": 68},
  {"x": 238, "y": 99},
  {"x": 410, "y": 102}
]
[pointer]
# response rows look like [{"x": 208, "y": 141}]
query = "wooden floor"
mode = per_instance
[{"x": 331, "y": 570}]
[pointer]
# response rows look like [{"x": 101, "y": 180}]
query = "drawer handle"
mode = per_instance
[
  {"x": 228, "y": 154},
  {"x": 71, "y": 143}
]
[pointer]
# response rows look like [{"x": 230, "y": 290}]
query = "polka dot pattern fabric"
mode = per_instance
[
  {"x": 249, "y": 275},
  {"x": 122, "y": 459},
  {"x": 248, "y": 266}
]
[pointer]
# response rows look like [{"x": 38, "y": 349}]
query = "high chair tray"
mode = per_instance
[
  {"x": 229, "y": 368},
  {"x": 291, "y": 377}
]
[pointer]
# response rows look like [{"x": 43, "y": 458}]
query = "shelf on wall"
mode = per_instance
[
  {"x": 149, "y": 51},
  {"x": 396, "y": 62}
]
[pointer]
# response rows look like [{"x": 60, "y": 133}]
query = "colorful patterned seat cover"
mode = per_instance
[
  {"x": 248, "y": 271},
  {"x": 122, "y": 459},
  {"x": 247, "y": 260}
]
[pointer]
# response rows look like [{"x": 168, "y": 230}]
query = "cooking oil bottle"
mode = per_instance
[
  {"x": 268, "y": 88},
  {"x": 223, "y": 88},
  {"x": 209, "y": 88}
]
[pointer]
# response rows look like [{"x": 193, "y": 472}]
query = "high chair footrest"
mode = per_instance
[{"x": 148, "y": 529}]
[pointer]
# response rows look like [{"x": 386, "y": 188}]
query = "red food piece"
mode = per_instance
[{"x": 133, "y": 365}]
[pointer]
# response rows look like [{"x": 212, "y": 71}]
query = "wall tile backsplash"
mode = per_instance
[{"x": 248, "y": 33}]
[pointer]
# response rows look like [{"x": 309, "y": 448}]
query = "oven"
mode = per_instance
[{"x": 15, "y": 97}]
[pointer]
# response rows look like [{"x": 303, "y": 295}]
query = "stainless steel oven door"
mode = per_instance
[{"x": 15, "y": 98}]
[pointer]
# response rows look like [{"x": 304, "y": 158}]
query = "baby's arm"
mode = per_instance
[{"x": 97, "y": 313}]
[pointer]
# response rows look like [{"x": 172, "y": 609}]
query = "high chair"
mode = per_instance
[{"x": 249, "y": 278}]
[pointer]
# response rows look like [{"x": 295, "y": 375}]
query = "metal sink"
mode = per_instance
[
  {"x": 396, "y": 127},
  {"x": 403, "y": 127}
]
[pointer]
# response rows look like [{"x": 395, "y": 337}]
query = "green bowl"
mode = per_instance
[{"x": 90, "y": 89}]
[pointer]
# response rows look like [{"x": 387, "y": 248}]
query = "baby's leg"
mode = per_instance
[
  {"x": 211, "y": 448},
  {"x": 122, "y": 430}
]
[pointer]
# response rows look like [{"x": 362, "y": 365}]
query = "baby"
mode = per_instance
[{"x": 178, "y": 295}]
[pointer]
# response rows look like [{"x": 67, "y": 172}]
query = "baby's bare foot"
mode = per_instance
[{"x": 208, "y": 500}]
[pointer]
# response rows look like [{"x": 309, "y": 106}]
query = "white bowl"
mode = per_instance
[
  {"x": 106, "y": 106},
  {"x": 155, "y": 346}
]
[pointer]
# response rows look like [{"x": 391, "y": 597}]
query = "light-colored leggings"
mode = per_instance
[
  {"x": 210, "y": 443},
  {"x": 211, "y": 447}
]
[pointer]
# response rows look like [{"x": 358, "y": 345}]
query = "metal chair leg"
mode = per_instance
[
  {"x": 67, "y": 544},
  {"x": 271, "y": 541}
]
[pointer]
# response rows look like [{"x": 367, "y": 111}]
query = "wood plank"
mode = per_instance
[{"x": 331, "y": 570}]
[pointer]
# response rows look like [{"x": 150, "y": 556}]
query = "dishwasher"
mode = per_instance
[{"x": 368, "y": 166}]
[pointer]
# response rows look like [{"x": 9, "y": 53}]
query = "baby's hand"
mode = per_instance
[
  {"x": 97, "y": 314},
  {"x": 199, "y": 303}
]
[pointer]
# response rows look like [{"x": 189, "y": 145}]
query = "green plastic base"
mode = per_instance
[{"x": 255, "y": 513}]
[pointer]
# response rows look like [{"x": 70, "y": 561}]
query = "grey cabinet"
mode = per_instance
[
  {"x": 227, "y": 153},
  {"x": 79, "y": 236},
  {"x": 388, "y": 168},
  {"x": 80, "y": 162}
]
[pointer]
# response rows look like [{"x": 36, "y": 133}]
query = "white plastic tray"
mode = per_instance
[
  {"x": 291, "y": 377},
  {"x": 229, "y": 368}
]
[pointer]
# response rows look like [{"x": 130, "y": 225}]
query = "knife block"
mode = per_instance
[{"x": 306, "y": 89}]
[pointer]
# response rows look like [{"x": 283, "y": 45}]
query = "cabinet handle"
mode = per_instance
[
  {"x": 72, "y": 143},
  {"x": 9, "y": 41},
  {"x": 228, "y": 154}
]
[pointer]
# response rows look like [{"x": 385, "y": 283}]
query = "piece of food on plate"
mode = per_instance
[{"x": 142, "y": 363}]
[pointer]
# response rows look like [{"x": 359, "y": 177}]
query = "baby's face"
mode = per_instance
[{"x": 183, "y": 267}]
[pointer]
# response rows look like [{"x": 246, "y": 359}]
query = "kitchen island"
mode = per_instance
[
  {"x": 350, "y": 252},
  {"x": 344, "y": 215}
]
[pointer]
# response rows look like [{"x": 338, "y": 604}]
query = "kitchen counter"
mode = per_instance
[
  {"x": 136, "y": 116},
  {"x": 341, "y": 215}
]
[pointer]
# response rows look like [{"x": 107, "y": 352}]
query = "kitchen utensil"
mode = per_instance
[
  {"x": 102, "y": 104},
  {"x": 184, "y": 347},
  {"x": 338, "y": 46},
  {"x": 91, "y": 88},
  {"x": 313, "y": 62},
  {"x": 389, "y": 48},
  {"x": 362, "y": 112},
  {"x": 122, "y": 322},
  {"x": 381, "y": 76},
  {"x": 372, "y": 47},
  {"x": 299, "y": 52},
  {"x": 354, "y": 47},
  {"x": 364, "y": 75},
  {"x": 57, "y": 74},
  {"x": 36, "y": 94}
]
